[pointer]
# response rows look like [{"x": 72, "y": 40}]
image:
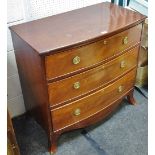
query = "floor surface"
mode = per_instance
[{"x": 125, "y": 133}]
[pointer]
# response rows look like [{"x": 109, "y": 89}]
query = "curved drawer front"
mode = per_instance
[
  {"x": 93, "y": 103},
  {"x": 71, "y": 61},
  {"x": 77, "y": 85}
]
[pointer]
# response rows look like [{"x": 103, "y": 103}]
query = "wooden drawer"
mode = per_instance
[
  {"x": 93, "y": 103},
  {"x": 92, "y": 79},
  {"x": 70, "y": 61}
]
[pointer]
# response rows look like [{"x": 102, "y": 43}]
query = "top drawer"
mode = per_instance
[{"x": 76, "y": 59}]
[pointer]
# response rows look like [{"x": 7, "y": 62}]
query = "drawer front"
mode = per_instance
[
  {"x": 77, "y": 85},
  {"x": 93, "y": 103},
  {"x": 70, "y": 61}
]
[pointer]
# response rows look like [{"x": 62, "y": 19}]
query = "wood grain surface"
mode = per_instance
[
  {"x": 64, "y": 90},
  {"x": 62, "y": 63},
  {"x": 89, "y": 105},
  {"x": 33, "y": 82},
  {"x": 75, "y": 27}
]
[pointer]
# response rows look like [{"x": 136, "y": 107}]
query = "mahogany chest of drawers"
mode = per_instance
[{"x": 76, "y": 67}]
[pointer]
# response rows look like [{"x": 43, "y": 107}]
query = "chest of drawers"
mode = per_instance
[{"x": 76, "y": 67}]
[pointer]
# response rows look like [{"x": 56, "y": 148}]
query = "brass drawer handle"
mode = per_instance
[
  {"x": 76, "y": 85},
  {"x": 125, "y": 40},
  {"x": 120, "y": 89},
  {"x": 76, "y": 60},
  {"x": 122, "y": 64},
  {"x": 77, "y": 112}
]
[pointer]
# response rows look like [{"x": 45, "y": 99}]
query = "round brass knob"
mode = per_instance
[
  {"x": 77, "y": 112},
  {"x": 120, "y": 89},
  {"x": 125, "y": 40},
  {"x": 76, "y": 60},
  {"x": 122, "y": 64},
  {"x": 76, "y": 85}
]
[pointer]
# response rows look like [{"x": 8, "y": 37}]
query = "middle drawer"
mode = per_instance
[{"x": 85, "y": 82}]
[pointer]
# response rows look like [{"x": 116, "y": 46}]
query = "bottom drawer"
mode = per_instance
[{"x": 87, "y": 106}]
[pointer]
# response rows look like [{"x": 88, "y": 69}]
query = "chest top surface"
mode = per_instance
[{"x": 75, "y": 27}]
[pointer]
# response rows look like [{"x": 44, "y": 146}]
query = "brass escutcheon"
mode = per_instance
[
  {"x": 76, "y": 60},
  {"x": 77, "y": 112},
  {"x": 125, "y": 40},
  {"x": 76, "y": 85},
  {"x": 105, "y": 42}
]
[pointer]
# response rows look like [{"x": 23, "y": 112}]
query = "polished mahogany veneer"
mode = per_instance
[
  {"x": 76, "y": 67},
  {"x": 85, "y": 107},
  {"x": 91, "y": 54},
  {"x": 93, "y": 78}
]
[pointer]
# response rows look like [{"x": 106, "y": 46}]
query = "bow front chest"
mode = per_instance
[{"x": 76, "y": 67}]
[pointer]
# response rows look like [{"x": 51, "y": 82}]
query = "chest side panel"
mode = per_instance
[{"x": 32, "y": 77}]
